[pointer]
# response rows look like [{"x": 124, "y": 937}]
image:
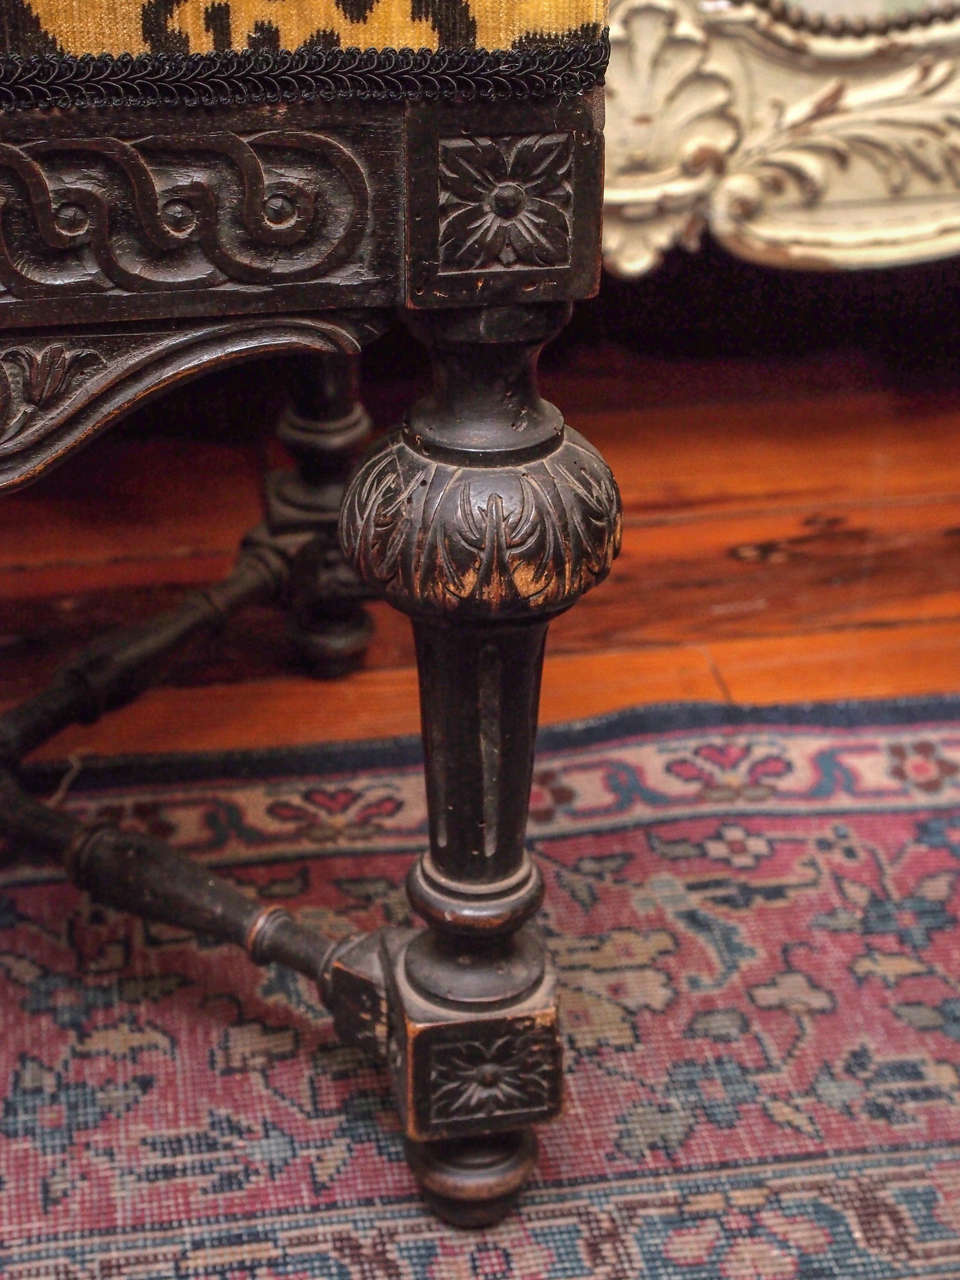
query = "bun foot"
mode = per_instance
[{"x": 474, "y": 1182}]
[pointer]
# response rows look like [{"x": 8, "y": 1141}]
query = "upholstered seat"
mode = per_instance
[
  {"x": 122, "y": 51},
  {"x": 196, "y": 26}
]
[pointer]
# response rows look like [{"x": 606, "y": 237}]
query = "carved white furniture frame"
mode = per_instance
[{"x": 800, "y": 140}]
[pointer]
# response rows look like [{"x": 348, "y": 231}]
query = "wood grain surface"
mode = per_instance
[{"x": 792, "y": 532}]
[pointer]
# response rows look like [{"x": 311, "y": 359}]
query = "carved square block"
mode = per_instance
[
  {"x": 458, "y": 1071},
  {"x": 494, "y": 217},
  {"x": 505, "y": 202}
]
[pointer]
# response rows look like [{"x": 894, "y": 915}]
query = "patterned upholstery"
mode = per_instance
[
  {"x": 78, "y": 27},
  {"x": 138, "y": 53}
]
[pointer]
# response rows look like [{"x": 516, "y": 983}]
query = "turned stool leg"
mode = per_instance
[
  {"x": 482, "y": 518},
  {"x": 322, "y": 426}
]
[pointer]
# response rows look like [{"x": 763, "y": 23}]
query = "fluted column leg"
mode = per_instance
[{"x": 482, "y": 518}]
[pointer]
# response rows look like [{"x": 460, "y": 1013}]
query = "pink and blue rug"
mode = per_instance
[{"x": 755, "y": 915}]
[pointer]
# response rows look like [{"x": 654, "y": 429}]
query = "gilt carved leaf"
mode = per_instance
[
  {"x": 896, "y": 127},
  {"x": 671, "y": 124}
]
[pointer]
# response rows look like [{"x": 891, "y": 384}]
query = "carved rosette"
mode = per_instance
[
  {"x": 494, "y": 1076},
  {"x": 504, "y": 202},
  {"x": 458, "y": 1068},
  {"x": 485, "y": 542}
]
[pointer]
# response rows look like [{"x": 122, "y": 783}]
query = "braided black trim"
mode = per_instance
[
  {"x": 308, "y": 74},
  {"x": 826, "y": 24}
]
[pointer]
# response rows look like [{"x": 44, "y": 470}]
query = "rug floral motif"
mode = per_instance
[{"x": 755, "y": 916}]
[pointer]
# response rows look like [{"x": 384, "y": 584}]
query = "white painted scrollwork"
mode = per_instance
[{"x": 796, "y": 146}]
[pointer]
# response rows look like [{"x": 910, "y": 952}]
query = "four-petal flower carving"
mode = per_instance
[{"x": 503, "y": 202}]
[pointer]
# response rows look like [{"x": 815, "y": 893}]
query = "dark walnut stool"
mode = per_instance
[{"x": 197, "y": 195}]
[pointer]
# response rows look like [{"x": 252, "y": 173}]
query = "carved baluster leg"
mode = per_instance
[
  {"x": 322, "y": 426},
  {"x": 482, "y": 518}
]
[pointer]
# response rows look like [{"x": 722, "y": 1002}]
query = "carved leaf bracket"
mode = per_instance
[
  {"x": 47, "y": 375},
  {"x": 57, "y": 393}
]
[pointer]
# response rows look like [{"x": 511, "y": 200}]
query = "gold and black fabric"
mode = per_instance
[{"x": 85, "y": 52}]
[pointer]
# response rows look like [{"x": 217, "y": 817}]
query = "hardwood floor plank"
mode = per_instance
[
  {"x": 131, "y": 500},
  {"x": 768, "y": 575},
  {"x": 792, "y": 531},
  {"x": 370, "y": 704},
  {"x": 771, "y": 457},
  {"x": 687, "y": 439},
  {"x": 682, "y": 582},
  {"x": 860, "y": 663}
]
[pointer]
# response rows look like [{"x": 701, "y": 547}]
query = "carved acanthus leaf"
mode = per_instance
[
  {"x": 49, "y": 372},
  {"x": 671, "y": 124},
  {"x": 437, "y": 537},
  {"x": 804, "y": 146},
  {"x": 56, "y": 392},
  {"x": 47, "y": 375},
  {"x": 896, "y": 128}
]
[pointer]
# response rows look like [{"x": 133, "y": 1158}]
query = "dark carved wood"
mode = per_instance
[
  {"x": 179, "y": 213},
  {"x": 504, "y": 214},
  {"x": 136, "y": 873},
  {"x": 59, "y": 388},
  {"x": 535, "y": 539},
  {"x": 504, "y": 202},
  {"x": 145, "y": 215},
  {"x": 482, "y": 518},
  {"x": 323, "y": 426},
  {"x": 143, "y": 246},
  {"x": 474, "y": 1182}
]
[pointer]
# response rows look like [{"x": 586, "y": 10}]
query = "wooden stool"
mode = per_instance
[{"x": 198, "y": 195}]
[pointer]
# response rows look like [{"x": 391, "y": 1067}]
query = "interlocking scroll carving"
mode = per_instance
[
  {"x": 440, "y": 537},
  {"x": 505, "y": 202},
  {"x": 497, "y": 1076},
  {"x": 184, "y": 211}
]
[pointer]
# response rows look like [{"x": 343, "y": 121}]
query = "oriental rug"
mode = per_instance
[{"x": 755, "y": 915}]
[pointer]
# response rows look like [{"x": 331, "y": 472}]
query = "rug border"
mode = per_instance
[{"x": 399, "y": 752}]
